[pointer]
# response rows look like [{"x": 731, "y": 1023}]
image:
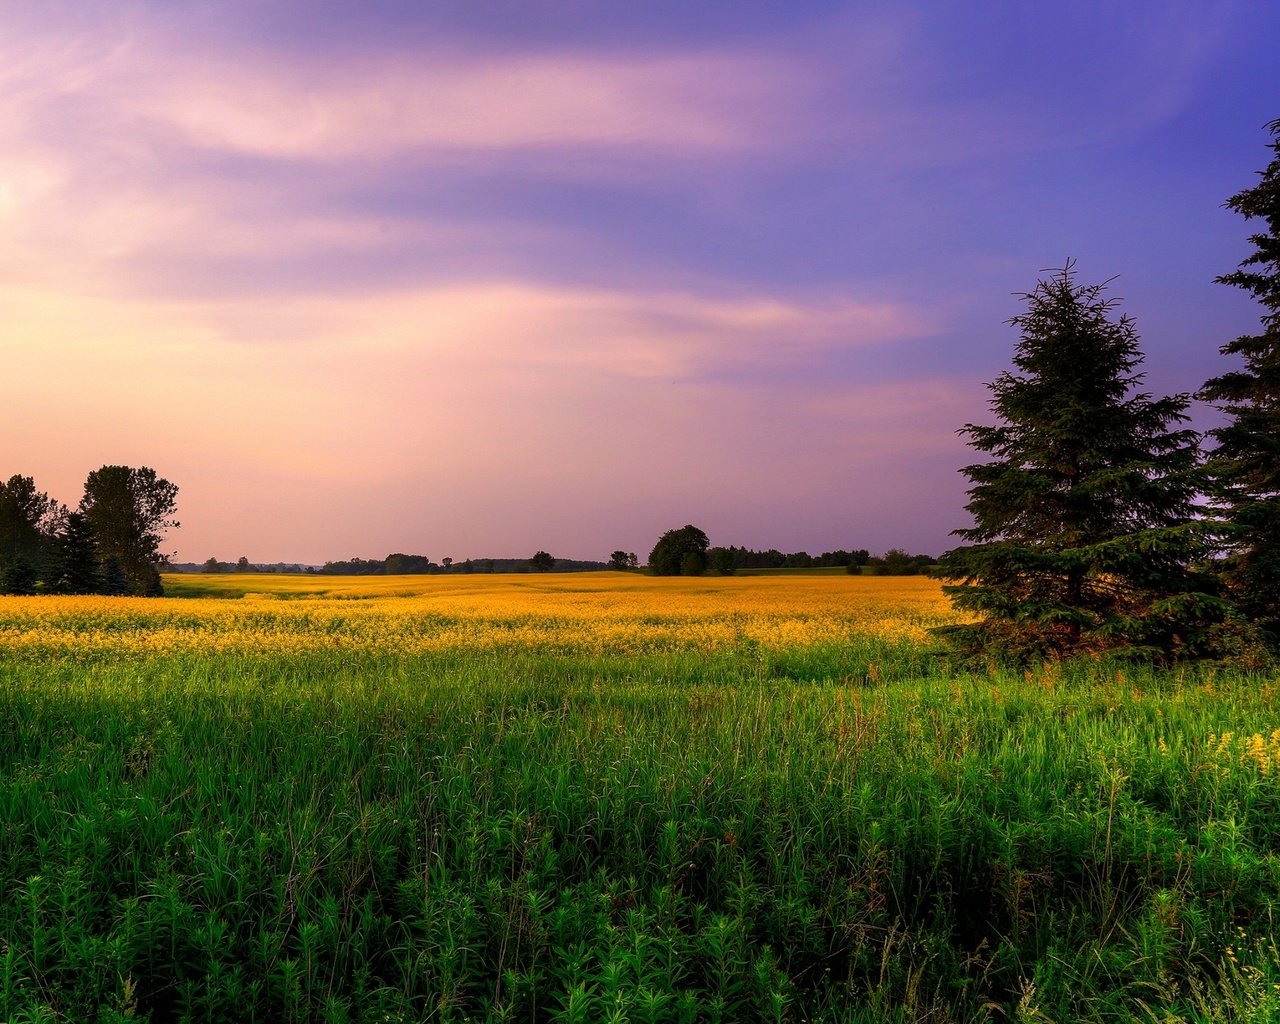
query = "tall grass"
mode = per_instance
[{"x": 768, "y": 831}]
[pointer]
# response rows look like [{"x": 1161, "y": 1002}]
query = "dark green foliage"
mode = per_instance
[
  {"x": 542, "y": 562},
  {"x": 623, "y": 560},
  {"x": 115, "y": 581},
  {"x": 1085, "y": 536},
  {"x": 693, "y": 564},
  {"x": 1245, "y": 465},
  {"x": 727, "y": 560},
  {"x": 668, "y": 556},
  {"x": 399, "y": 564},
  {"x": 720, "y": 561},
  {"x": 129, "y": 509},
  {"x": 402, "y": 564},
  {"x": 18, "y": 577},
  {"x": 79, "y": 569},
  {"x": 355, "y": 566},
  {"x": 897, "y": 562},
  {"x": 29, "y": 520}
]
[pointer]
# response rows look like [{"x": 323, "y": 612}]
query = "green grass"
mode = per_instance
[{"x": 649, "y": 838}]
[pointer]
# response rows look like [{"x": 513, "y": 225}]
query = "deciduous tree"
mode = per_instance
[
  {"x": 129, "y": 510},
  {"x": 668, "y": 556}
]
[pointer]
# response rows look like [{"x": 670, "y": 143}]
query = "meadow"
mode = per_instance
[{"x": 608, "y": 797}]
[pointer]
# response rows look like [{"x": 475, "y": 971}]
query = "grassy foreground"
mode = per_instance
[{"x": 612, "y": 798}]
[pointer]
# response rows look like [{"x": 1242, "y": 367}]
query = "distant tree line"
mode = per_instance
[
  {"x": 1091, "y": 531},
  {"x": 897, "y": 562},
  {"x": 731, "y": 559},
  {"x": 241, "y": 565},
  {"x": 420, "y": 565},
  {"x": 109, "y": 544},
  {"x": 687, "y": 552}
]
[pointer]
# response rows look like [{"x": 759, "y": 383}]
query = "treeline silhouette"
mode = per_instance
[
  {"x": 109, "y": 544},
  {"x": 688, "y": 552},
  {"x": 420, "y": 565},
  {"x": 732, "y": 558}
]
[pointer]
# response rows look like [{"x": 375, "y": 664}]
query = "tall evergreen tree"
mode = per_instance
[
  {"x": 1084, "y": 535},
  {"x": 18, "y": 577},
  {"x": 79, "y": 570},
  {"x": 115, "y": 581},
  {"x": 1245, "y": 465}
]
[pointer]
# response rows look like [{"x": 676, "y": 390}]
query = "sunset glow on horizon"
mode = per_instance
[{"x": 479, "y": 279}]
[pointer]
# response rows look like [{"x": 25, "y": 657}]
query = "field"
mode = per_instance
[{"x": 605, "y": 797}]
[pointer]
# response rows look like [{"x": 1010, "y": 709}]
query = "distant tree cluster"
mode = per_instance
[
  {"x": 402, "y": 564},
  {"x": 686, "y": 552},
  {"x": 897, "y": 562},
  {"x": 109, "y": 544},
  {"x": 1089, "y": 536},
  {"x": 624, "y": 561},
  {"x": 242, "y": 564},
  {"x": 729, "y": 560}
]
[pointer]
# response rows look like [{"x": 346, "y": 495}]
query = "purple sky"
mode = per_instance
[{"x": 474, "y": 278}]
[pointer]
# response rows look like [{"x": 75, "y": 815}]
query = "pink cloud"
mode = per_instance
[
  {"x": 489, "y": 393},
  {"x": 669, "y": 102}
]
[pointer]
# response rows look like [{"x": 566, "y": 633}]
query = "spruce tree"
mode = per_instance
[
  {"x": 79, "y": 567},
  {"x": 1085, "y": 536},
  {"x": 18, "y": 577},
  {"x": 1244, "y": 467},
  {"x": 115, "y": 581},
  {"x": 28, "y": 521}
]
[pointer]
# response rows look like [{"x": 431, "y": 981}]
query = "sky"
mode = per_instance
[{"x": 475, "y": 278}]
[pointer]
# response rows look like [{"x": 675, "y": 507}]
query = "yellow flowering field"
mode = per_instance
[{"x": 573, "y": 613}]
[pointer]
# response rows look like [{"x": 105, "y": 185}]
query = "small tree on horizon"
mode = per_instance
[
  {"x": 668, "y": 557},
  {"x": 542, "y": 562},
  {"x": 1085, "y": 537}
]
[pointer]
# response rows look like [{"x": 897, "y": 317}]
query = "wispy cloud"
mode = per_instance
[
  {"x": 594, "y": 398},
  {"x": 373, "y": 107}
]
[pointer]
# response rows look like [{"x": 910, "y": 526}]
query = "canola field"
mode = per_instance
[
  {"x": 607, "y": 797},
  {"x": 580, "y": 614}
]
